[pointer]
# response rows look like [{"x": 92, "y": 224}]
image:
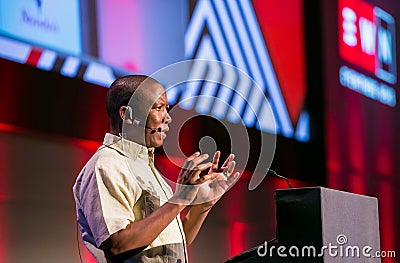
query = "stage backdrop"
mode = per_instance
[
  {"x": 329, "y": 70},
  {"x": 263, "y": 39},
  {"x": 361, "y": 40}
]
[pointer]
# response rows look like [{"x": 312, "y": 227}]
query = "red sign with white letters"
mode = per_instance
[{"x": 367, "y": 38}]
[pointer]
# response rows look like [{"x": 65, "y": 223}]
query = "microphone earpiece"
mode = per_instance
[{"x": 129, "y": 111}]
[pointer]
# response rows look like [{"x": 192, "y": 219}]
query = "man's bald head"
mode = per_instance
[{"x": 120, "y": 92}]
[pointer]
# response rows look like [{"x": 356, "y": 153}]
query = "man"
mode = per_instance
[{"x": 125, "y": 210}]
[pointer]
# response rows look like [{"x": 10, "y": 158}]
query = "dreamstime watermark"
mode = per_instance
[{"x": 340, "y": 249}]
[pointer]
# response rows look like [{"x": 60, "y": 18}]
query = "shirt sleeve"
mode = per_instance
[{"x": 110, "y": 198}]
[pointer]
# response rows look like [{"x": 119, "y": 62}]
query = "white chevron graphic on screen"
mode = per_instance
[{"x": 234, "y": 37}]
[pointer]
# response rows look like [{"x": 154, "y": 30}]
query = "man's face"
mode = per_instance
[{"x": 158, "y": 117}]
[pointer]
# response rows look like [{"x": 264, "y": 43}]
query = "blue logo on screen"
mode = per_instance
[
  {"x": 39, "y": 4},
  {"x": 52, "y": 24}
]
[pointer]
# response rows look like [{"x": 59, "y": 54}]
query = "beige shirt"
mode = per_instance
[{"x": 120, "y": 185}]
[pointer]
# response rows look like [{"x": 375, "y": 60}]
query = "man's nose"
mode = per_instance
[{"x": 168, "y": 118}]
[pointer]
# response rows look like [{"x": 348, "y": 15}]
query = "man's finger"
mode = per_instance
[
  {"x": 233, "y": 179},
  {"x": 215, "y": 161},
  {"x": 192, "y": 165},
  {"x": 194, "y": 177},
  {"x": 198, "y": 160},
  {"x": 228, "y": 159},
  {"x": 208, "y": 177},
  {"x": 229, "y": 169},
  {"x": 191, "y": 157},
  {"x": 188, "y": 160},
  {"x": 203, "y": 166}
]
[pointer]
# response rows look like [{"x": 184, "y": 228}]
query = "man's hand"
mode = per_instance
[
  {"x": 208, "y": 189},
  {"x": 222, "y": 179},
  {"x": 189, "y": 178}
]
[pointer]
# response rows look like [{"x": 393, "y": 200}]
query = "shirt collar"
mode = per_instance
[{"x": 126, "y": 147}]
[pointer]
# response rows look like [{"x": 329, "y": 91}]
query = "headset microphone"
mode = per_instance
[
  {"x": 129, "y": 110},
  {"x": 137, "y": 122},
  {"x": 153, "y": 130}
]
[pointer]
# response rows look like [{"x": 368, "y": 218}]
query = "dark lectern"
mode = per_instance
[{"x": 317, "y": 224}]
